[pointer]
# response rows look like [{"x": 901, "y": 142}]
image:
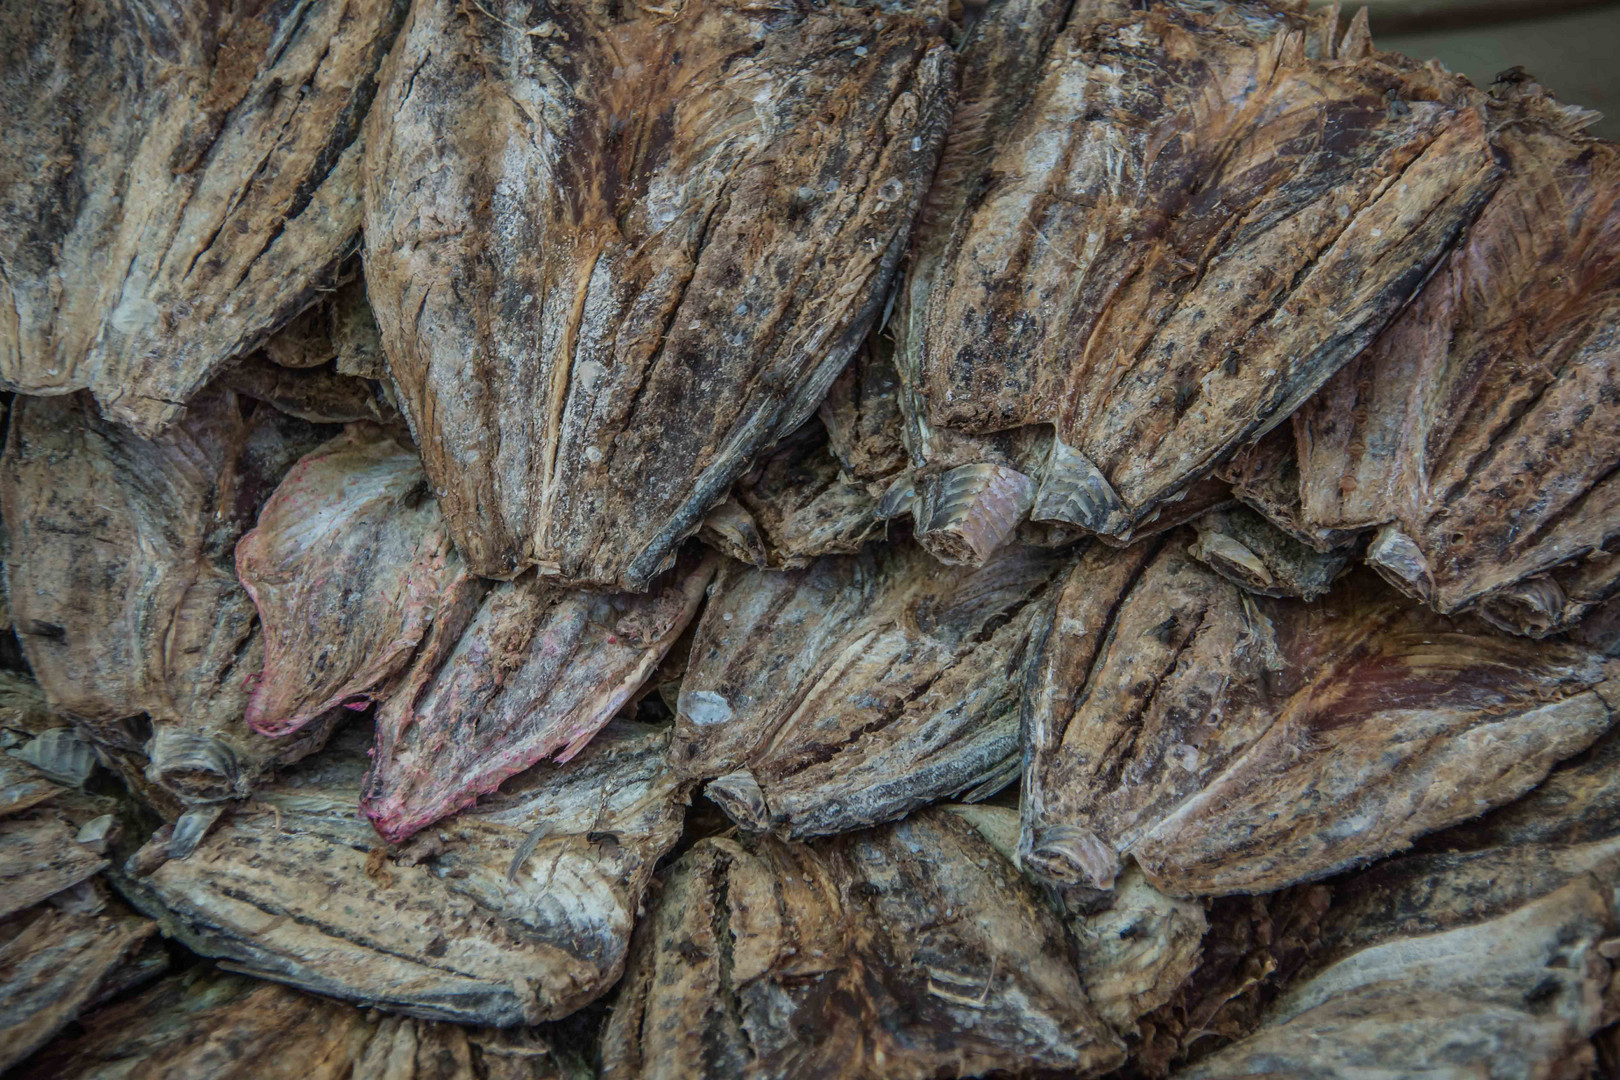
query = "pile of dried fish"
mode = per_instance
[{"x": 830, "y": 539}]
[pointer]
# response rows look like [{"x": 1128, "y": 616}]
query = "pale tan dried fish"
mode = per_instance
[
  {"x": 348, "y": 565},
  {"x": 180, "y": 179},
  {"x": 1481, "y": 433},
  {"x": 121, "y": 582},
  {"x": 207, "y": 1024},
  {"x": 529, "y": 672},
  {"x": 908, "y": 951},
  {"x": 515, "y": 912},
  {"x": 861, "y": 688},
  {"x": 1173, "y": 231},
  {"x": 1233, "y": 743},
  {"x": 616, "y": 252}
]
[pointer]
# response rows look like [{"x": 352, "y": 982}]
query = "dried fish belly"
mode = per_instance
[
  {"x": 583, "y": 224},
  {"x": 179, "y": 182},
  {"x": 121, "y": 582},
  {"x": 1479, "y": 432},
  {"x": 209, "y": 1025},
  {"x": 349, "y": 564},
  {"x": 1195, "y": 220},
  {"x": 517, "y": 911},
  {"x": 861, "y": 688},
  {"x": 533, "y": 672},
  {"x": 1233, "y": 743},
  {"x": 912, "y": 950}
]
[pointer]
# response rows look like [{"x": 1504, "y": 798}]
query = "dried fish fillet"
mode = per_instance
[
  {"x": 121, "y": 582},
  {"x": 210, "y": 1025},
  {"x": 861, "y": 688},
  {"x": 515, "y": 912},
  {"x": 55, "y": 964},
  {"x": 1480, "y": 432},
  {"x": 1233, "y": 743},
  {"x": 533, "y": 673},
  {"x": 1198, "y": 215},
  {"x": 348, "y": 566},
  {"x": 912, "y": 950},
  {"x": 180, "y": 179},
  {"x": 1247, "y": 550},
  {"x": 583, "y": 223}
]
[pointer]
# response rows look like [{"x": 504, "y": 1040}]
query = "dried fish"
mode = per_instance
[
  {"x": 121, "y": 581},
  {"x": 1247, "y": 550},
  {"x": 911, "y": 950},
  {"x": 179, "y": 180},
  {"x": 56, "y": 964},
  {"x": 1237, "y": 743},
  {"x": 861, "y": 688},
  {"x": 861, "y": 414},
  {"x": 599, "y": 304},
  {"x": 1479, "y": 432},
  {"x": 22, "y": 785},
  {"x": 293, "y": 886},
  {"x": 533, "y": 673},
  {"x": 209, "y": 1025},
  {"x": 1192, "y": 217},
  {"x": 318, "y": 395},
  {"x": 40, "y": 857},
  {"x": 349, "y": 565},
  {"x": 1265, "y": 476}
]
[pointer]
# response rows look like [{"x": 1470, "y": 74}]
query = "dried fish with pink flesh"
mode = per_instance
[
  {"x": 1234, "y": 743},
  {"x": 859, "y": 689},
  {"x": 761, "y": 958},
  {"x": 56, "y": 964},
  {"x": 516, "y": 911},
  {"x": 530, "y": 672},
  {"x": 206, "y": 1024},
  {"x": 349, "y": 565},
  {"x": 1190, "y": 219},
  {"x": 1481, "y": 433},
  {"x": 205, "y": 187},
  {"x": 572, "y": 238},
  {"x": 121, "y": 581}
]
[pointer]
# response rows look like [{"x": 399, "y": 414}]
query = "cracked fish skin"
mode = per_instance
[
  {"x": 348, "y": 565},
  {"x": 515, "y": 912},
  {"x": 1196, "y": 219},
  {"x": 122, "y": 585},
  {"x": 1233, "y": 743},
  {"x": 766, "y": 959},
  {"x": 571, "y": 238},
  {"x": 511, "y": 676},
  {"x": 1479, "y": 432},
  {"x": 181, "y": 179},
  {"x": 861, "y": 688}
]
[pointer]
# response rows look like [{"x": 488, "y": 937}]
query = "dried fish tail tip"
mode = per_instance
[
  {"x": 1070, "y": 855},
  {"x": 1075, "y": 491},
  {"x": 740, "y": 796},
  {"x": 1397, "y": 557},
  {"x": 1230, "y": 558},
  {"x": 197, "y": 766}
]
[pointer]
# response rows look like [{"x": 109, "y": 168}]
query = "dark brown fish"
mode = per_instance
[
  {"x": 1247, "y": 550},
  {"x": 349, "y": 565},
  {"x": 532, "y": 672},
  {"x": 909, "y": 951},
  {"x": 1480, "y": 434},
  {"x": 206, "y": 1024},
  {"x": 614, "y": 252},
  {"x": 861, "y": 688},
  {"x": 1233, "y": 743},
  {"x": 1189, "y": 221},
  {"x": 55, "y": 964},
  {"x": 123, "y": 589},
  {"x": 517, "y": 911},
  {"x": 179, "y": 180}
]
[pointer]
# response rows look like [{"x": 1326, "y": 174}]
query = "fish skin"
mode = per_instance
[
  {"x": 1232, "y": 743},
  {"x": 551, "y": 286},
  {"x": 181, "y": 179},
  {"x": 514, "y": 912},
  {"x": 761, "y": 958},
  {"x": 860, "y": 688},
  {"x": 523, "y": 672},
  {"x": 348, "y": 566},
  {"x": 1171, "y": 277}
]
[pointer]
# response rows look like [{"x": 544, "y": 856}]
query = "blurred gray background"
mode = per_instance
[{"x": 1572, "y": 48}]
